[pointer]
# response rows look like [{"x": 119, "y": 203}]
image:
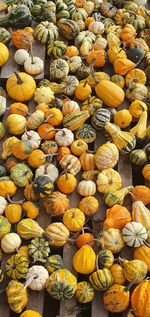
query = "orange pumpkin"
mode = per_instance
[
  {"x": 42, "y": 106},
  {"x": 72, "y": 51},
  {"x": 31, "y": 209},
  {"x": 96, "y": 57},
  {"x": 123, "y": 65},
  {"x": 10, "y": 162},
  {"x": 83, "y": 91},
  {"x": 56, "y": 204},
  {"x": 142, "y": 193},
  {"x": 123, "y": 118},
  {"x": 18, "y": 108},
  {"x": 66, "y": 183},
  {"x": 140, "y": 299},
  {"x": 128, "y": 33},
  {"x": 62, "y": 151},
  {"x": 22, "y": 149},
  {"x": 89, "y": 205},
  {"x": 88, "y": 21},
  {"x": 29, "y": 193},
  {"x": 46, "y": 131},
  {"x": 54, "y": 116},
  {"x": 85, "y": 238},
  {"x": 22, "y": 39},
  {"x": 79, "y": 147},
  {"x": 142, "y": 253},
  {"x": 117, "y": 217},
  {"x": 111, "y": 94},
  {"x": 36, "y": 158},
  {"x": 87, "y": 161}
]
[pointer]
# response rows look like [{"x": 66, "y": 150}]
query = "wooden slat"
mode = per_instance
[
  {"x": 9, "y": 68},
  {"x": 39, "y": 51}
]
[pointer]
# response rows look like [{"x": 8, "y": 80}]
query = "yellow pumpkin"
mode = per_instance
[
  {"x": 30, "y": 313},
  {"x": 115, "y": 52},
  {"x": 136, "y": 108},
  {"x": 79, "y": 147},
  {"x": 108, "y": 180},
  {"x": 13, "y": 212},
  {"x": 4, "y": 54},
  {"x": 111, "y": 94},
  {"x": 87, "y": 161},
  {"x": 117, "y": 274},
  {"x": 138, "y": 74},
  {"x": 7, "y": 188},
  {"x": 31, "y": 209},
  {"x": 118, "y": 80},
  {"x": 83, "y": 91},
  {"x": 20, "y": 86},
  {"x": 84, "y": 260},
  {"x": 146, "y": 172},
  {"x": 123, "y": 118},
  {"x": 15, "y": 124},
  {"x": 36, "y": 158},
  {"x": 123, "y": 65},
  {"x": 89, "y": 205},
  {"x": 74, "y": 219}
]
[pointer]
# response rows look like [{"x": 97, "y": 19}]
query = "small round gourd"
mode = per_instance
[
  {"x": 134, "y": 269},
  {"x": 3, "y": 204},
  {"x": 117, "y": 273},
  {"x": 4, "y": 54},
  {"x": 101, "y": 279},
  {"x": 89, "y": 205},
  {"x": 84, "y": 260},
  {"x": 86, "y": 188},
  {"x": 74, "y": 219},
  {"x": 10, "y": 242},
  {"x": 112, "y": 240},
  {"x": 134, "y": 234},
  {"x": 36, "y": 277},
  {"x": 21, "y": 56},
  {"x": 84, "y": 292},
  {"x": 105, "y": 259},
  {"x": 17, "y": 267},
  {"x": 123, "y": 118}
]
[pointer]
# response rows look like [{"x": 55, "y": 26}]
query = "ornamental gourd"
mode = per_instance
[
  {"x": 117, "y": 217},
  {"x": 110, "y": 93},
  {"x": 101, "y": 279},
  {"x": 116, "y": 298},
  {"x": 30, "y": 313},
  {"x": 87, "y": 161},
  {"x": 21, "y": 56},
  {"x": 17, "y": 296},
  {"x": 128, "y": 33},
  {"x": 71, "y": 164},
  {"x": 140, "y": 299},
  {"x": 106, "y": 156},
  {"x": 141, "y": 214},
  {"x": 134, "y": 270},
  {"x": 49, "y": 170},
  {"x": 15, "y": 123},
  {"x": 86, "y": 188},
  {"x": 36, "y": 277},
  {"x": 84, "y": 292},
  {"x": 79, "y": 147},
  {"x": 34, "y": 65},
  {"x": 10, "y": 242},
  {"x": 54, "y": 263},
  {"x": 105, "y": 259},
  {"x": 20, "y": 86},
  {"x": 38, "y": 249},
  {"x": 74, "y": 219},
  {"x": 134, "y": 234},
  {"x": 139, "y": 130},
  {"x": 142, "y": 253},
  {"x": 17, "y": 267},
  {"x": 112, "y": 240},
  {"x": 22, "y": 149},
  {"x": 84, "y": 260},
  {"x": 117, "y": 273},
  {"x": 21, "y": 174},
  {"x": 57, "y": 234},
  {"x": 56, "y": 204},
  {"x": 64, "y": 137},
  {"x": 7, "y": 187},
  {"x": 89, "y": 205},
  {"x": 141, "y": 193},
  {"x": 28, "y": 229},
  {"x": 4, "y": 54},
  {"x": 108, "y": 180},
  {"x": 86, "y": 133}
]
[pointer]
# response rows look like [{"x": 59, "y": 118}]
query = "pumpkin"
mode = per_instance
[
  {"x": 68, "y": 28},
  {"x": 59, "y": 69},
  {"x": 4, "y": 54},
  {"x": 28, "y": 229},
  {"x": 137, "y": 107},
  {"x": 108, "y": 180},
  {"x": 70, "y": 106},
  {"x": 100, "y": 43},
  {"x": 105, "y": 259},
  {"x": 43, "y": 94},
  {"x": 117, "y": 217},
  {"x": 64, "y": 137},
  {"x": 106, "y": 156},
  {"x": 142, "y": 253},
  {"x": 123, "y": 65},
  {"x": 29, "y": 193},
  {"x": 20, "y": 86},
  {"x": 34, "y": 65},
  {"x": 10, "y": 242},
  {"x": 3, "y": 204},
  {"x": 21, "y": 56},
  {"x": 142, "y": 193},
  {"x": 140, "y": 299},
  {"x": 66, "y": 183},
  {"x": 101, "y": 279},
  {"x": 62, "y": 151},
  {"x": 36, "y": 277},
  {"x": 84, "y": 260},
  {"x": 7, "y": 187},
  {"x": 5, "y": 226},
  {"x": 31, "y": 209},
  {"x": 15, "y": 123},
  {"x": 89, "y": 205},
  {"x": 84, "y": 292},
  {"x": 33, "y": 137},
  {"x": 18, "y": 108},
  {"x": 117, "y": 273},
  {"x": 34, "y": 121},
  {"x": 22, "y": 39},
  {"x": 118, "y": 80},
  {"x": 46, "y": 31},
  {"x": 86, "y": 188},
  {"x": 86, "y": 133},
  {"x": 53, "y": 263},
  {"x": 83, "y": 91},
  {"x": 97, "y": 57},
  {"x": 46, "y": 131},
  {"x": 70, "y": 163},
  {"x": 84, "y": 239},
  {"x": 17, "y": 266},
  {"x": 87, "y": 161},
  {"x": 146, "y": 172},
  {"x": 21, "y": 174},
  {"x": 23, "y": 250},
  {"x": 136, "y": 91},
  {"x": 56, "y": 48},
  {"x": 128, "y": 33},
  {"x": 49, "y": 147},
  {"x": 17, "y": 296},
  {"x": 114, "y": 53},
  {"x": 112, "y": 240},
  {"x": 22, "y": 149},
  {"x": 56, "y": 204},
  {"x": 117, "y": 197},
  {"x": 43, "y": 185},
  {"x": 38, "y": 249},
  {"x": 57, "y": 233},
  {"x": 141, "y": 214},
  {"x": 136, "y": 73},
  {"x": 115, "y": 93},
  {"x": 10, "y": 162},
  {"x": 30, "y": 313},
  {"x": 116, "y": 298},
  {"x": 123, "y": 118},
  {"x": 13, "y": 212},
  {"x": 134, "y": 234},
  {"x": 66, "y": 284},
  {"x": 79, "y": 147},
  {"x": 134, "y": 270},
  {"x": 36, "y": 158},
  {"x": 74, "y": 219}
]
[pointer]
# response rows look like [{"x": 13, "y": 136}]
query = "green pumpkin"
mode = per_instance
[
  {"x": 64, "y": 14},
  {"x": 137, "y": 21},
  {"x": 53, "y": 263},
  {"x": 138, "y": 157},
  {"x": 131, "y": 5},
  {"x": 56, "y": 48},
  {"x": 5, "y": 36},
  {"x": 40, "y": 2},
  {"x": 3, "y": 171},
  {"x": 101, "y": 279},
  {"x": 84, "y": 292},
  {"x": 28, "y": 3},
  {"x": 17, "y": 267},
  {"x": 79, "y": 14},
  {"x": 59, "y": 69},
  {"x": 19, "y": 16},
  {"x": 85, "y": 36},
  {"x": 39, "y": 249},
  {"x": 100, "y": 118},
  {"x": 86, "y": 133},
  {"x": 5, "y": 226},
  {"x": 21, "y": 174},
  {"x": 83, "y": 72},
  {"x": 36, "y": 10},
  {"x": 68, "y": 28},
  {"x": 92, "y": 104},
  {"x": 105, "y": 259},
  {"x": 46, "y": 32},
  {"x": 61, "y": 284},
  {"x": 135, "y": 54},
  {"x": 43, "y": 186}
]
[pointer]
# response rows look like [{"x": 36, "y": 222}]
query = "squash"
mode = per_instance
[
  {"x": 116, "y": 298},
  {"x": 66, "y": 183},
  {"x": 105, "y": 259},
  {"x": 136, "y": 91},
  {"x": 106, "y": 156},
  {"x": 61, "y": 284},
  {"x": 86, "y": 133},
  {"x": 64, "y": 137},
  {"x": 134, "y": 270},
  {"x": 57, "y": 234},
  {"x": 123, "y": 118},
  {"x": 138, "y": 157},
  {"x": 18, "y": 108},
  {"x": 89, "y": 205},
  {"x": 74, "y": 219},
  {"x": 108, "y": 180},
  {"x": 141, "y": 193},
  {"x": 142, "y": 253},
  {"x": 21, "y": 83},
  {"x": 125, "y": 141},
  {"x": 56, "y": 48},
  {"x": 117, "y": 273},
  {"x": 140, "y": 214},
  {"x": 118, "y": 80},
  {"x": 21, "y": 174},
  {"x": 139, "y": 130},
  {"x": 49, "y": 170},
  {"x": 5, "y": 36},
  {"x": 49, "y": 147},
  {"x": 138, "y": 74},
  {"x": 30, "y": 313},
  {"x": 87, "y": 161},
  {"x": 38, "y": 249},
  {"x": 10, "y": 162},
  {"x": 34, "y": 65},
  {"x": 71, "y": 164},
  {"x": 140, "y": 299},
  {"x": 128, "y": 33},
  {"x": 68, "y": 28},
  {"x": 29, "y": 193},
  {"x": 62, "y": 151},
  {"x": 86, "y": 188},
  {"x": 13, "y": 212},
  {"x": 15, "y": 123},
  {"x": 134, "y": 234},
  {"x": 4, "y": 54},
  {"x": 43, "y": 94},
  {"x": 112, "y": 240},
  {"x": 83, "y": 91},
  {"x": 43, "y": 185},
  {"x": 10, "y": 242},
  {"x": 79, "y": 147},
  {"x": 17, "y": 266},
  {"x": 84, "y": 260},
  {"x": 96, "y": 57},
  {"x": 3, "y": 205},
  {"x": 116, "y": 52},
  {"x": 111, "y": 94},
  {"x": 56, "y": 204},
  {"x": 70, "y": 106},
  {"x": 33, "y": 122},
  {"x": 71, "y": 51},
  {"x": 46, "y": 31},
  {"x": 29, "y": 229},
  {"x": 53, "y": 263},
  {"x": 123, "y": 65},
  {"x": 59, "y": 69},
  {"x": 22, "y": 39},
  {"x": 137, "y": 107},
  {"x": 7, "y": 187},
  {"x": 100, "y": 118},
  {"x": 84, "y": 239},
  {"x": 117, "y": 197},
  {"x": 92, "y": 104},
  {"x": 22, "y": 149},
  {"x": 84, "y": 292},
  {"x": 36, "y": 277},
  {"x": 31, "y": 209},
  {"x": 117, "y": 217},
  {"x": 21, "y": 56},
  {"x": 17, "y": 296},
  {"x": 146, "y": 172},
  {"x": 101, "y": 279}
]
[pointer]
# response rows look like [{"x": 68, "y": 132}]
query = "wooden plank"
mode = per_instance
[
  {"x": 39, "y": 51},
  {"x": 9, "y": 68}
]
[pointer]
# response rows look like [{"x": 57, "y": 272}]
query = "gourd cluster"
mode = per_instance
[{"x": 46, "y": 151}]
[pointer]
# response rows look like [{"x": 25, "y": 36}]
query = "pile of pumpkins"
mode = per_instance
[{"x": 46, "y": 152}]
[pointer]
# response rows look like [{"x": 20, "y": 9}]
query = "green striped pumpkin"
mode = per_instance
[
  {"x": 17, "y": 266},
  {"x": 28, "y": 3},
  {"x": 79, "y": 14},
  {"x": 84, "y": 292},
  {"x": 64, "y": 14},
  {"x": 101, "y": 279},
  {"x": 5, "y": 36},
  {"x": 19, "y": 16},
  {"x": 100, "y": 118},
  {"x": 53, "y": 263},
  {"x": 61, "y": 284},
  {"x": 59, "y": 69},
  {"x": 86, "y": 133},
  {"x": 92, "y": 104},
  {"x": 138, "y": 157},
  {"x": 68, "y": 28},
  {"x": 73, "y": 121},
  {"x": 70, "y": 5},
  {"x": 60, "y": 5},
  {"x": 5, "y": 226},
  {"x": 105, "y": 258},
  {"x": 57, "y": 48},
  {"x": 46, "y": 32}
]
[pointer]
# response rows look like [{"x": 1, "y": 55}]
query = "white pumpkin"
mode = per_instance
[
  {"x": 43, "y": 94},
  {"x": 10, "y": 242},
  {"x": 3, "y": 204},
  {"x": 33, "y": 137},
  {"x": 134, "y": 234},
  {"x": 70, "y": 106},
  {"x": 21, "y": 56},
  {"x": 64, "y": 137},
  {"x": 71, "y": 163},
  {"x": 100, "y": 43},
  {"x": 2, "y": 105},
  {"x": 74, "y": 63},
  {"x": 70, "y": 82},
  {"x": 96, "y": 27},
  {"x": 89, "y": 7},
  {"x": 86, "y": 188},
  {"x": 140, "y": 2},
  {"x": 85, "y": 48},
  {"x": 34, "y": 66},
  {"x": 49, "y": 170},
  {"x": 36, "y": 277}
]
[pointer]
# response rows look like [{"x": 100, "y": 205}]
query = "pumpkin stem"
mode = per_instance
[
  {"x": 64, "y": 97},
  {"x": 130, "y": 284},
  {"x": 23, "y": 111},
  {"x": 85, "y": 83},
  {"x": 97, "y": 240},
  {"x": 39, "y": 260},
  {"x": 97, "y": 266},
  {"x": 20, "y": 202},
  {"x": 146, "y": 147},
  {"x": 19, "y": 80},
  {"x": 50, "y": 116},
  {"x": 29, "y": 281}
]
